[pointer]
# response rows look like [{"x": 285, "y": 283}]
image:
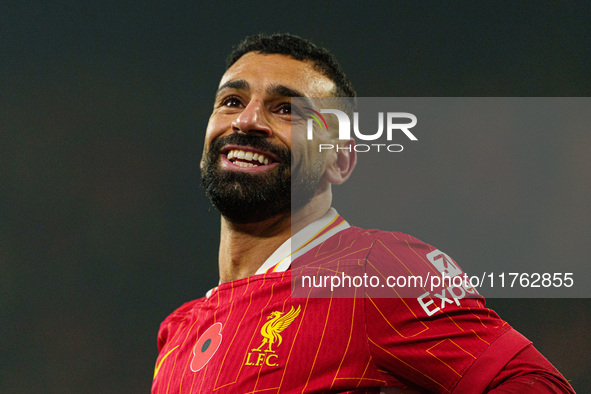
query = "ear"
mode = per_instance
[{"x": 341, "y": 168}]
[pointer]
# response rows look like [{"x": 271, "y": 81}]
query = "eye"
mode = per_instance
[
  {"x": 284, "y": 109},
  {"x": 231, "y": 101}
]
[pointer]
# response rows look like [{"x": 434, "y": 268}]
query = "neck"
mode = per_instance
[{"x": 245, "y": 247}]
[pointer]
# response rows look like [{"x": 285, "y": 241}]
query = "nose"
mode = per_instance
[{"x": 252, "y": 120}]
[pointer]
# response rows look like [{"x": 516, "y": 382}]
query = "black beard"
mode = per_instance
[{"x": 250, "y": 198}]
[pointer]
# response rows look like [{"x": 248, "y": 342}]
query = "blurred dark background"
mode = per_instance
[{"x": 104, "y": 229}]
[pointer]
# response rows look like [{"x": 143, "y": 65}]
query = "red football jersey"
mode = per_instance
[{"x": 253, "y": 336}]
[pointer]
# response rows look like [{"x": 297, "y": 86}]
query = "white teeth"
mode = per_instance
[
  {"x": 244, "y": 164},
  {"x": 247, "y": 155}
]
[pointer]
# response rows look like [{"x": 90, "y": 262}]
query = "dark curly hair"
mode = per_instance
[{"x": 299, "y": 49}]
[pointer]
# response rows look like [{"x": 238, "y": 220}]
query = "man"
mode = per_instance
[{"x": 249, "y": 334}]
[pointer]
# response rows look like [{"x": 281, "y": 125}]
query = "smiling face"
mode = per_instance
[{"x": 247, "y": 159}]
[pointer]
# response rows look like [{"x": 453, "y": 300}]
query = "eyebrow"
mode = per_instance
[
  {"x": 238, "y": 84},
  {"x": 273, "y": 90},
  {"x": 283, "y": 91}
]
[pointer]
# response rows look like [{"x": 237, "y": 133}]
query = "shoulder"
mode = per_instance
[
  {"x": 388, "y": 247},
  {"x": 182, "y": 312},
  {"x": 372, "y": 235},
  {"x": 388, "y": 243},
  {"x": 176, "y": 320}
]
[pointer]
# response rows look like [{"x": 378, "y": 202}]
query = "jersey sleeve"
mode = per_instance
[
  {"x": 433, "y": 340},
  {"x": 527, "y": 372}
]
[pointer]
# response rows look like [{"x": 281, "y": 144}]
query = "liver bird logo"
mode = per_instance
[{"x": 272, "y": 329}]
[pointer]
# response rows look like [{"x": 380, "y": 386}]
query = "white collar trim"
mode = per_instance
[{"x": 300, "y": 243}]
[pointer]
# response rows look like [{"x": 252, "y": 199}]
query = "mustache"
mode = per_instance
[{"x": 284, "y": 154}]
